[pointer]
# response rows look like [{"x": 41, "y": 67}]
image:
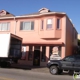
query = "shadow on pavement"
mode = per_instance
[{"x": 26, "y": 67}]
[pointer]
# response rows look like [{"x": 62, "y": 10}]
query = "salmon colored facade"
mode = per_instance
[{"x": 41, "y": 32}]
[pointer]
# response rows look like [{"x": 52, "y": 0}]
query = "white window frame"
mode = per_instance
[
  {"x": 7, "y": 27},
  {"x": 23, "y": 24},
  {"x": 58, "y": 27},
  {"x": 49, "y": 23}
]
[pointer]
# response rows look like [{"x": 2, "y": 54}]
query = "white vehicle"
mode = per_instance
[{"x": 10, "y": 49}]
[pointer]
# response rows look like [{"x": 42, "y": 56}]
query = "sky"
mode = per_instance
[{"x": 21, "y": 7}]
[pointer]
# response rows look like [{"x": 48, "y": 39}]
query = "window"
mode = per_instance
[
  {"x": 51, "y": 50},
  {"x": 49, "y": 24},
  {"x": 30, "y": 53},
  {"x": 54, "y": 52},
  {"x": 27, "y": 25},
  {"x": 42, "y": 23},
  {"x": 4, "y": 26},
  {"x": 70, "y": 58},
  {"x": 77, "y": 57},
  {"x": 43, "y": 56},
  {"x": 58, "y": 23}
]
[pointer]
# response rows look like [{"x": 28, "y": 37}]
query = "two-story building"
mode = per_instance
[{"x": 41, "y": 32}]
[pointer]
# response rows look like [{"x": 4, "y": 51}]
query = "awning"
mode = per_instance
[{"x": 46, "y": 43}]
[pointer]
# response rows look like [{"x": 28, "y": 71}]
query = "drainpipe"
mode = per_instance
[
  {"x": 15, "y": 25},
  {"x": 65, "y": 34}
]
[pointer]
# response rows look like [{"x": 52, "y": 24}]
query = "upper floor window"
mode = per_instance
[
  {"x": 4, "y": 26},
  {"x": 49, "y": 24},
  {"x": 42, "y": 23},
  {"x": 58, "y": 23},
  {"x": 27, "y": 25}
]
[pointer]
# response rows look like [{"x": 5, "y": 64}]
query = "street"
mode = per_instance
[{"x": 20, "y": 74}]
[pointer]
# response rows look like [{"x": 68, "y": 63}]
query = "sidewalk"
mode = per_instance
[{"x": 33, "y": 68}]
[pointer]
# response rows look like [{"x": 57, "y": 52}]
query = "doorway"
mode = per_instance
[{"x": 36, "y": 58}]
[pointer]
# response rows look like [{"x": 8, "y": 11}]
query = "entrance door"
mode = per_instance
[{"x": 36, "y": 59}]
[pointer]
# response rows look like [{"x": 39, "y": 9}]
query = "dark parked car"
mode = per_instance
[{"x": 70, "y": 63}]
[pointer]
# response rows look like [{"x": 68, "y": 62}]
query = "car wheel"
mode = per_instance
[{"x": 54, "y": 70}]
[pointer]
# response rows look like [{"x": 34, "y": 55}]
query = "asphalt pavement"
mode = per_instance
[
  {"x": 24, "y": 72},
  {"x": 20, "y": 74}
]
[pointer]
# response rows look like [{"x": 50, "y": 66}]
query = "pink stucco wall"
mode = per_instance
[
  {"x": 71, "y": 41},
  {"x": 37, "y": 32},
  {"x": 38, "y": 36},
  {"x": 12, "y": 25}
]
